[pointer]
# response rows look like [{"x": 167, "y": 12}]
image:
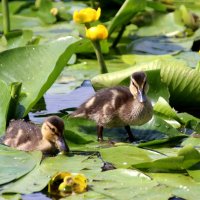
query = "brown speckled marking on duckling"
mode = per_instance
[
  {"x": 27, "y": 136},
  {"x": 119, "y": 106}
]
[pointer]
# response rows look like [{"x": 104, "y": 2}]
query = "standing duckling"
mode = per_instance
[
  {"x": 119, "y": 106},
  {"x": 27, "y": 136}
]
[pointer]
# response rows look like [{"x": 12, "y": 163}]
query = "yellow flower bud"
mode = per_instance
[
  {"x": 86, "y": 15},
  {"x": 98, "y": 32},
  {"x": 54, "y": 11}
]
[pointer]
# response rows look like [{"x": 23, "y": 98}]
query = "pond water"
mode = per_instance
[
  {"x": 67, "y": 92},
  {"x": 38, "y": 195}
]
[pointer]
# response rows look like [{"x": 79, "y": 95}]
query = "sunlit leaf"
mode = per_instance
[
  {"x": 186, "y": 158},
  {"x": 163, "y": 109},
  {"x": 125, "y": 156},
  {"x": 126, "y": 12},
  {"x": 4, "y": 104},
  {"x": 36, "y": 74}
]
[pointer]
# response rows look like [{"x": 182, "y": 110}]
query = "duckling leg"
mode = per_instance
[
  {"x": 130, "y": 135},
  {"x": 100, "y": 133}
]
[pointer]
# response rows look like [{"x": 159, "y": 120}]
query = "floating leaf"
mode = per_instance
[
  {"x": 125, "y": 156},
  {"x": 15, "y": 163},
  {"x": 163, "y": 24},
  {"x": 49, "y": 166},
  {"x": 186, "y": 158}
]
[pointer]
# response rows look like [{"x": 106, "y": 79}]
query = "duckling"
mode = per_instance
[
  {"x": 27, "y": 136},
  {"x": 119, "y": 106}
]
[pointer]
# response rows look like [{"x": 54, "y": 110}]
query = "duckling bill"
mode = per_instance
[
  {"x": 119, "y": 106},
  {"x": 27, "y": 136}
]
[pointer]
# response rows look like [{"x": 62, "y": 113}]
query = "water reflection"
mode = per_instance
[{"x": 56, "y": 102}]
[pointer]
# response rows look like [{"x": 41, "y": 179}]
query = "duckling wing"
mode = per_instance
[{"x": 22, "y": 135}]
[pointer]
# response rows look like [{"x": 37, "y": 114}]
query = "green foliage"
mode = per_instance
[
  {"x": 4, "y": 105},
  {"x": 126, "y": 13},
  {"x": 16, "y": 164}
]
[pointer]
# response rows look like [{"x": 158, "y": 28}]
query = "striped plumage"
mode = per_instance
[
  {"x": 119, "y": 106},
  {"x": 27, "y": 136}
]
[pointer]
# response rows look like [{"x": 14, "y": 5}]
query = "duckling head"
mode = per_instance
[
  {"x": 139, "y": 86},
  {"x": 52, "y": 131}
]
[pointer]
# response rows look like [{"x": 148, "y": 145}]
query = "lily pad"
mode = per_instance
[
  {"x": 163, "y": 24},
  {"x": 126, "y": 156},
  {"x": 181, "y": 186},
  {"x": 186, "y": 158},
  {"x": 15, "y": 163},
  {"x": 49, "y": 166}
]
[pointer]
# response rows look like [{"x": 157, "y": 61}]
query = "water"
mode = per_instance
[{"x": 58, "y": 102}]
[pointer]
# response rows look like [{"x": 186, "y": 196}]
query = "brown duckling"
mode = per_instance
[
  {"x": 27, "y": 136},
  {"x": 119, "y": 106}
]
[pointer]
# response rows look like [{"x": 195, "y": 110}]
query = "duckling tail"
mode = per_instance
[{"x": 78, "y": 113}]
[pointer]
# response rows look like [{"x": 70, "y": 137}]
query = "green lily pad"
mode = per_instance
[
  {"x": 126, "y": 156},
  {"x": 163, "y": 24},
  {"x": 21, "y": 22},
  {"x": 49, "y": 166},
  {"x": 15, "y": 163},
  {"x": 186, "y": 158},
  {"x": 181, "y": 185},
  {"x": 16, "y": 39},
  {"x": 157, "y": 131},
  {"x": 119, "y": 184}
]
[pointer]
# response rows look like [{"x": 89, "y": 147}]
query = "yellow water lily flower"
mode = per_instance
[
  {"x": 86, "y": 15},
  {"x": 80, "y": 183},
  {"x": 54, "y": 11},
  {"x": 98, "y": 32},
  {"x": 65, "y": 183}
]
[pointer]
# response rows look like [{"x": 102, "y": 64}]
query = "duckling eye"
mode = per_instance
[{"x": 53, "y": 129}]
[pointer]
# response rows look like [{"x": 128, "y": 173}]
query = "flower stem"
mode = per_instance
[
  {"x": 14, "y": 101},
  {"x": 116, "y": 41},
  {"x": 100, "y": 58},
  {"x": 6, "y": 17}
]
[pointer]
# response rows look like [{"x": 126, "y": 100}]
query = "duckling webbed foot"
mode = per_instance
[
  {"x": 130, "y": 135},
  {"x": 100, "y": 133}
]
